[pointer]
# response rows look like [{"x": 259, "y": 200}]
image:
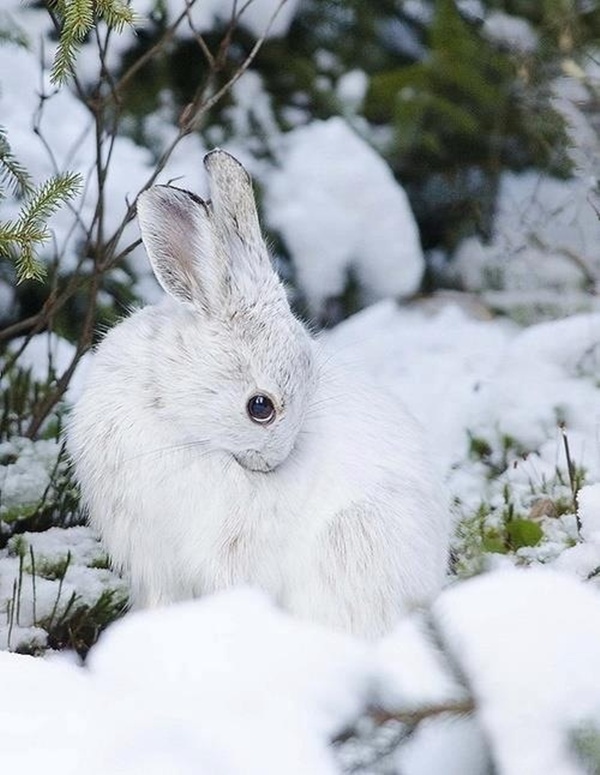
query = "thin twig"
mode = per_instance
[
  {"x": 410, "y": 717},
  {"x": 59, "y": 592},
  {"x": 44, "y": 408},
  {"x": 33, "y": 585},
  {"x": 571, "y": 472},
  {"x": 193, "y": 113},
  {"x": 11, "y": 617},
  {"x": 591, "y": 279},
  {"x": 19, "y": 588},
  {"x": 139, "y": 63},
  {"x": 198, "y": 37},
  {"x": 416, "y": 716}
]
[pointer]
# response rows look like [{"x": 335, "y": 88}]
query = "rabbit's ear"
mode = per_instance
[
  {"x": 232, "y": 197},
  {"x": 178, "y": 235},
  {"x": 236, "y": 222}
]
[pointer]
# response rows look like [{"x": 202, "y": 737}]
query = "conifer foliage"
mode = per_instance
[
  {"x": 21, "y": 237},
  {"x": 75, "y": 20}
]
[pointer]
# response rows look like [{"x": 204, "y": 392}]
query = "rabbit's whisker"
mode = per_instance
[{"x": 170, "y": 448}]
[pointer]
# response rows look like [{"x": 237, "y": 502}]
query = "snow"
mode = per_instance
[
  {"x": 352, "y": 87},
  {"x": 511, "y": 31},
  {"x": 26, "y": 473},
  {"x": 588, "y": 499},
  {"x": 419, "y": 10},
  {"x": 525, "y": 643},
  {"x": 434, "y": 362},
  {"x": 453, "y": 747},
  {"x": 231, "y": 685},
  {"x": 427, "y": 682},
  {"x": 537, "y": 641},
  {"x": 225, "y": 685},
  {"x": 464, "y": 378},
  {"x": 39, "y": 701},
  {"x": 545, "y": 237},
  {"x": 252, "y": 117},
  {"x": 258, "y": 16},
  {"x": 48, "y": 354},
  {"x": 278, "y": 687},
  {"x": 6, "y": 299},
  {"x": 558, "y": 360},
  {"x": 542, "y": 259},
  {"x": 338, "y": 208}
]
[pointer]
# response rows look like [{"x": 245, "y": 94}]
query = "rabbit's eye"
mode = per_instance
[{"x": 260, "y": 409}]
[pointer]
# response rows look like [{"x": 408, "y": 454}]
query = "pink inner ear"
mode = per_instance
[{"x": 178, "y": 235}]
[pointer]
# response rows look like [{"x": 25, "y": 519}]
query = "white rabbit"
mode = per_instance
[{"x": 217, "y": 444}]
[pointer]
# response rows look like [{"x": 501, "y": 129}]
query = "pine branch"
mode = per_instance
[
  {"x": 13, "y": 175},
  {"x": 20, "y": 250},
  {"x": 78, "y": 18},
  {"x": 20, "y": 238},
  {"x": 117, "y": 15},
  {"x": 48, "y": 197}
]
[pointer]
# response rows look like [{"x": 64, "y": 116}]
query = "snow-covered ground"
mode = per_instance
[{"x": 231, "y": 685}]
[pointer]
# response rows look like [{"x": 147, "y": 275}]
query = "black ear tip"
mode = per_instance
[
  {"x": 166, "y": 195},
  {"x": 219, "y": 161},
  {"x": 215, "y": 152}
]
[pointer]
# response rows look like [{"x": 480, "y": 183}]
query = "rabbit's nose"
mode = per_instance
[{"x": 252, "y": 460}]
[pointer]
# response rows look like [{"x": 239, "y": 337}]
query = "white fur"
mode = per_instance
[{"x": 333, "y": 508}]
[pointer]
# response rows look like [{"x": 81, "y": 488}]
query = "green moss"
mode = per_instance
[
  {"x": 479, "y": 448},
  {"x": 18, "y": 513}
]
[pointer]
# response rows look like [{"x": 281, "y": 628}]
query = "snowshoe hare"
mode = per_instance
[{"x": 217, "y": 444}]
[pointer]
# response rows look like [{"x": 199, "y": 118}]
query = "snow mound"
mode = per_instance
[
  {"x": 525, "y": 644},
  {"x": 227, "y": 685},
  {"x": 528, "y": 634},
  {"x": 546, "y": 376},
  {"x": 435, "y": 363},
  {"x": 40, "y": 700},
  {"x": 277, "y": 686},
  {"x": 491, "y": 378},
  {"x": 338, "y": 208}
]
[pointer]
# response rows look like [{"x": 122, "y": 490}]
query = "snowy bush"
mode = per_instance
[{"x": 342, "y": 216}]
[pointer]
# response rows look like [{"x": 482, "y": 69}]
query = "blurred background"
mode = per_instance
[{"x": 483, "y": 113}]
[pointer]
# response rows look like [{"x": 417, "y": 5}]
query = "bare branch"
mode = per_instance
[
  {"x": 198, "y": 36},
  {"x": 193, "y": 113},
  {"x": 588, "y": 273},
  {"x": 159, "y": 46}
]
